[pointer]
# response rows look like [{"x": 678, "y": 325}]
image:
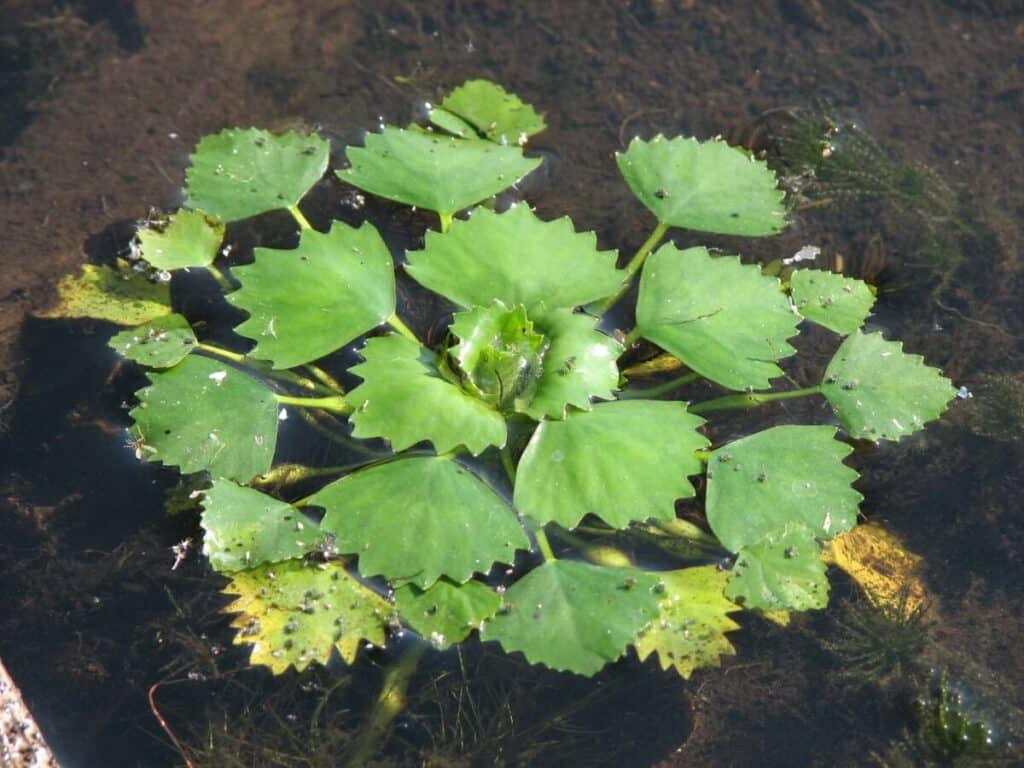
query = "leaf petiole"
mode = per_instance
[
  {"x": 750, "y": 400},
  {"x": 446, "y": 221},
  {"x": 543, "y": 544},
  {"x": 396, "y": 322},
  {"x": 302, "y": 221},
  {"x": 649, "y": 245},
  {"x": 333, "y": 403},
  {"x": 227, "y": 354},
  {"x": 290, "y": 474},
  {"x": 391, "y": 701},
  {"x": 631, "y": 338},
  {"x": 220, "y": 275},
  {"x": 508, "y": 463},
  {"x": 264, "y": 368},
  {"x": 599, "y": 554},
  {"x": 660, "y": 389},
  {"x": 663, "y": 363},
  {"x": 632, "y": 267},
  {"x": 325, "y": 379}
]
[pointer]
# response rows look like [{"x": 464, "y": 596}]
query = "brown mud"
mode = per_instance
[{"x": 107, "y": 101}]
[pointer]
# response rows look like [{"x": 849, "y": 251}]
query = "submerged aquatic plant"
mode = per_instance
[
  {"x": 957, "y": 726},
  {"x": 528, "y": 376},
  {"x": 877, "y": 642},
  {"x": 825, "y": 160}
]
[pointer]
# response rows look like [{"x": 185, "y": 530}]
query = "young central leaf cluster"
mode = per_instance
[{"x": 500, "y": 355}]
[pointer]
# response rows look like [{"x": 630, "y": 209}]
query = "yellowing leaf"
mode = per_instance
[
  {"x": 689, "y": 632},
  {"x": 293, "y": 613},
  {"x": 103, "y": 293}
]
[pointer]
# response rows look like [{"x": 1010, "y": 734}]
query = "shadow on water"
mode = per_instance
[{"x": 94, "y": 616}]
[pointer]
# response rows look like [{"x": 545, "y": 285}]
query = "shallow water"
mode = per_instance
[{"x": 104, "y": 111}]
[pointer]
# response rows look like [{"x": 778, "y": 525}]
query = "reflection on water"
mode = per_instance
[{"x": 923, "y": 101}]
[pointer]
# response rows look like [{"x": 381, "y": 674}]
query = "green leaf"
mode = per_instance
[
  {"x": 881, "y": 393},
  {"x": 782, "y": 571},
  {"x": 839, "y": 303},
  {"x": 184, "y": 239},
  {"x": 724, "y": 319},
  {"x": 759, "y": 484},
  {"x": 624, "y": 461},
  {"x": 418, "y": 519},
  {"x": 497, "y": 114},
  {"x": 239, "y": 173},
  {"x": 102, "y": 293},
  {"x": 434, "y": 172},
  {"x": 446, "y": 613},
  {"x": 404, "y": 400},
  {"x": 451, "y": 123},
  {"x": 295, "y": 613},
  {"x": 579, "y": 364},
  {"x": 574, "y": 616},
  {"x": 516, "y": 258},
  {"x": 160, "y": 343},
  {"x": 307, "y": 302},
  {"x": 689, "y": 633},
  {"x": 499, "y": 354},
  {"x": 707, "y": 186},
  {"x": 202, "y": 414},
  {"x": 243, "y": 528}
]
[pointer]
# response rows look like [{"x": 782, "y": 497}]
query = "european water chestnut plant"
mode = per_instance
[{"x": 528, "y": 380}]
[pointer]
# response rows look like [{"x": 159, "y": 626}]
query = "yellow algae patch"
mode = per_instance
[
  {"x": 888, "y": 573},
  {"x": 118, "y": 296}
]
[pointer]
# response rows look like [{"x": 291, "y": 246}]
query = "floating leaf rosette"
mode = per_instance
[{"x": 524, "y": 475}]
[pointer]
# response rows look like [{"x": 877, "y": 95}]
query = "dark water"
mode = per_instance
[{"x": 91, "y": 615}]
